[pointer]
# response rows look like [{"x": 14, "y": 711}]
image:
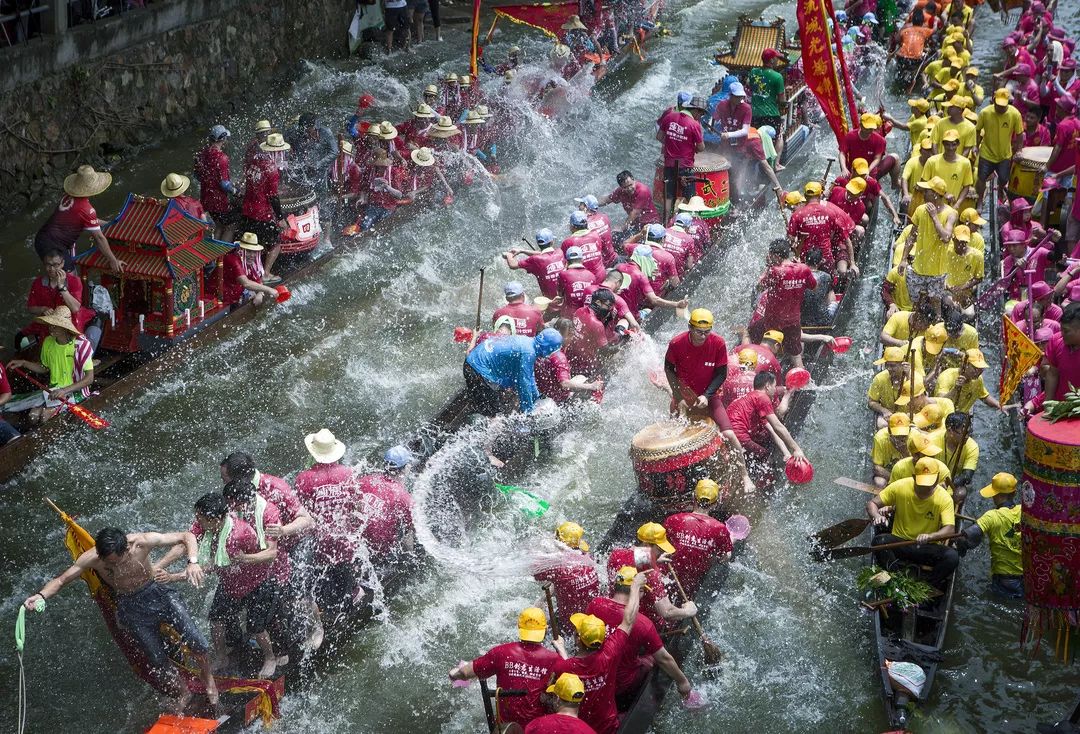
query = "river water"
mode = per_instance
[{"x": 364, "y": 349}]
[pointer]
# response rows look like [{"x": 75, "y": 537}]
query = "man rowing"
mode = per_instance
[
  {"x": 528, "y": 319},
  {"x": 636, "y": 200},
  {"x": 599, "y": 224},
  {"x": 122, "y": 561},
  {"x": 544, "y": 265},
  {"x": 1001, "y": 527}
]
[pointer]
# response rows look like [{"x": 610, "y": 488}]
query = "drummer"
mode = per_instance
[{"x": 1001, "y": 132}]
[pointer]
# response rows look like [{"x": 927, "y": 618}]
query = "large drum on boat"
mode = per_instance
[
  {"x": 710, "y": 182},
  {"x": 1027, "y": 173},
  {"x": 302, "y": 215},
  {"x": 671, "y": 456},
  {"x": 1050, "y": 492}
]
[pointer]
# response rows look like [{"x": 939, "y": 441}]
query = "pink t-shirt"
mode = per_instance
[
  {"x": 575, "y": 584},
  {"x": 592, "y": 257},
  {"x": 545, "y": 266},
  {"x": 639, "y": 289},
  {"x": 681, "y": 136},
  {"x": 572, "y": 285},
  {"x": 385, "y": 509},
  {"x": 699, "y": 540},
  {"x": 640, "y": 198},
  {"x": 681, "y": 245},
  {"x": 550, "y": 372},
  {"x": 1067, "y": 362},
  {"x": 528, "y": 319},
  {"x": 600, "y": 225},
  {"x": 330, "y": 494},
  {"x": 239, "y": 579}
]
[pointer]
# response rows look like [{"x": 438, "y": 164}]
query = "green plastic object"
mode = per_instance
[{"x": 530, "y": 504}]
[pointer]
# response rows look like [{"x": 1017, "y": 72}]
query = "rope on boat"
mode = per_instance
[{"x": 23, "y": 706}]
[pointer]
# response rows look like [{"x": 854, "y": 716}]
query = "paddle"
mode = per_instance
[
  {"x": 828, "y": 167},
  {"x": 88, "y": 417},
  {"x": 479, "y": 305},
  {"x": 713, "y": 655},
  {"x": 863, "y": 487},
  {"x": 841, "y": 532},
  {"x": 555, "y": 632},
  {"x": 865, "y": 550}
]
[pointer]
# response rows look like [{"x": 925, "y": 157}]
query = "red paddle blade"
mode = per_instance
[{"x": 93, "y": 420}]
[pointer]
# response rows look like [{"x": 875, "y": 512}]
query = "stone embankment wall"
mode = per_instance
[{"x": 92, "y": 92}]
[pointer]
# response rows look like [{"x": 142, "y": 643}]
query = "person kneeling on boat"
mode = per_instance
[
  {"x": 1001, "y": 527},
  {"x": 921, "y": 511},
  {"x": 504, "y": 363},
  {"x": 644, "y": 648},
  {"x": 122, "y": 561},
  {"x": 599, "y": 653},
  {"x": 386, "y": 192},
  {"x": 67, "y": 358},
  {"x": 523, "y": 665},
  {"x": 567, "y": 693},
  {"x": 242, "y": 274},
  {"x": 699, "y": 538}
]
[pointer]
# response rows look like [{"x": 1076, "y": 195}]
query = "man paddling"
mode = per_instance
[
  {"x": 544, "y": 265},
  {"x": 568, "y": 692},
  {"x": 1001, "y": 527},
  {"x": 700, "y": 539},
  {"x": 522, "y": 665},
  {"x": 528, "y": 319},
  {"x": 122, "y": 561}
]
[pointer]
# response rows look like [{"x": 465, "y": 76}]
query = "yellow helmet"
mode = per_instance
[
  {"x": 707, "y": 491},
  {"x": 748, "y": 357},
  {"x": 701, "y": 318},
  {"x": 571, "y": 533}
]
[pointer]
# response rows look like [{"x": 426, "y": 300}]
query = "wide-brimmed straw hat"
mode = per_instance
[
  {"x": 465, "y": 80},
  {"x": 424, "y": 111},
  {"x": 249, "y": 241},
  {"x": 474, "y": 118},
  {"x": 174, "y": 185},
  {"x": 87, "y": 182},
  {"x": 574, "y": 24},
  {"x": 484, "y": 112},
  {"x": 561, "y": 51},
  {"x": 263, "y": 126},
  {"x": 275, "y": 143},
  {"x": 423, "y": 157},
  {"x": 59, "y": 316},
  {"x": 324, "y": 446},
  {"x": 444, "y": 128},
  {"x": 696, "y": 204},
  {"x": 346, "y": 147},
  {"x": 452, "y": 77},
  {"x": 384, "y": 131}
]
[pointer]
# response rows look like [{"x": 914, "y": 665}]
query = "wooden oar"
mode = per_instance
[
  {"x": 841, "y": 532},
  {"x": 88, "y": 417},
  {"x": 865, "y": 550},
  {"x": 863, "y": 487},
  {"x": 555, "y": 633},
  {"x": 713, "y": 655},
  {"x": 479, "y": 305}
]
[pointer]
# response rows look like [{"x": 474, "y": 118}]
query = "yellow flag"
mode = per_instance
[{"x": 1021, "y": 354}]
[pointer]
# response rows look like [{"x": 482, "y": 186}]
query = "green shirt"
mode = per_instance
[
  {"x": 766, "y": 85},
  {"x": 1001, "y": 527},
  {"x": 59, "y": 359}
]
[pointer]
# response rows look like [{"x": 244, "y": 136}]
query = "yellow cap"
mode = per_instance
[
  {"x": 812, "y": 188},
  {"x": 856, "y": 186},
  {"x": 776, "y": 336},
  {"x": 935, "y": 337},
  {"x": 654, "y": 534},
  {"x": 971, "y": 216},
  {"x": 971, "y": 71},
  {"x": 571, "y": 533},
  {"x": 930, "y": 417},
  {"x": 707, "y": 490},
  {"x": 926, "y": 473},
  {"x": 625, "y": 576},
  {"x": 956, "y": 62},
  {"x": 920, "y": 103},
  {"x": 950, "y": 136},
  {"x": 701, "y": 318},
  {"x": 590, "y": 629},
  {"x": 1002, "y": 483},
  {"x": 860, "y": 166},
  {"x": 976, "y": 359},
  {"x": 870, "y": 121},
  {"x": 899, "y": 424},
  {"x": 1002, "y": 96},
  {"x": 892, "y": 354},
  {"x": 568, "y": 687},
  {"x": 926, "y": 143},
  {"x": 951, "y": 86},
  {"x": 748, "y": 357},
  {"x": 532, "y": 625},
  {"x": 962, "y": 232},
  {"x": 905, "y": 391},
  {"x": 920, "y": 442},
  {"x": 794, "y": 198},
  {"x": 936, "y": 184}
]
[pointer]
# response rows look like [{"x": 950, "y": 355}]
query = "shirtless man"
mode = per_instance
[{"x": 122, "y": 560}]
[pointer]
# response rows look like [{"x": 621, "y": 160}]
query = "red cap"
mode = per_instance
[
  {"x": 771, "y": 53},
  {"x": 365, "y": 101}
]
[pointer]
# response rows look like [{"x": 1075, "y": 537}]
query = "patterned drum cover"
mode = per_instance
[
  {"x": 1050, "y": 492},
  {"x": 672, "y": 456}
]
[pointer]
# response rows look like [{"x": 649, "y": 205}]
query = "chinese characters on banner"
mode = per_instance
[
  {"x": 819, "y": 57},
  {"x": 1021, "y": 354}
]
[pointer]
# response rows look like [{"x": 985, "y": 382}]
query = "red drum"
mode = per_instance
[
  {"x": 710, "y": 174},
  {"x": 672, "y": 456},
  {"x": 302, "y": 215}
]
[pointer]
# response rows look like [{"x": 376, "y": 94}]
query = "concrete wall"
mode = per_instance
[{"x": 88, "y": 94}]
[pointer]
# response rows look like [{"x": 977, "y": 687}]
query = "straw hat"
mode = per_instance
[
  {"x": 696, "y": 204},
  {"x": 423, "y": 157},
  {"x": 574, "y": 24},
  {"x": 346, "y": 147},
  {"x": 324, "y": 447},
  {"x": 465, "y": 80},
  {"x": 384, "y": 131},
  {"x": 249, "y": 241},
  {"x": 275, "y": 143},
  {"x": 484, "y": 112},
  {"x": 452, "y": 77},
  {"x": 87, "y": 182},
  {"x": 508, "y": 77},
  {"x": 431, "y": 89},
  {"x": 445, "y": 128},
  {"x": 174, "y": 185},
  {"x": 474, "y": 118},
  {"x": 424, "y": 112},
  {"x": 59, "y": 316},
  {"x": 560, "y": 51},
  {"x": 262, "y": 126}
]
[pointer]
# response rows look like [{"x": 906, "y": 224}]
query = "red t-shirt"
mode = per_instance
[
  {"x": 589, "y": 337},
  {"x": 396, "y": 178},
  {"x": 682, "y": 134},
  {"x": 748, "y": 416},
  {"x": 600, "y": 225},
  {"x": 233, "y": 267},
  {"x": 72, "y": 216},
  {"x": 558, "y": 724},
  {"x": 639, "y": 198},
  {"x": 43, "y": 295},
  {"x": 731, "y": 118},
  {"x": 636, "y": 293},
  {"x": 261, "y": 183},
  {"x": 191, "y": 206},
  {"x": 643, "y": 640},
  {"x": 240, "y": 579},
  {"x": 575, "y": 581},
  {"x": 1067, "y": 362},
  {"x": 329, "y": 493},
  {"x": 621, "y": 307},
  {"x": 5, "y": 386},
  {"x": 784, "y": 286},
  {"x": 854, "y": 208},
  {"x": 572, "y": 285},
  {"x": 591, "y": 255},
  {"x": 1067, "y": 134},
  {"x": 550, "y": 373},
  {"x": 819, "y": 224},
  {"x": 278, "y": 491},
  {"x": 657, "y": 589},
  {"x": 522, "y": 666},
  {"x": 666, "y": 267},
  {"x": 699, "y": 540},
  {"x": 739, "y": 382},
  {"x": 597, "y": 673},
  {"x": 528, "y": 319},
  {"x": 766, "y": 360},
  {"x": 211, "y": 168},
  {"x": 871, "y": 148},
  {"x": 545, "y": 266},
  {"x": 385, "y": 509},
  {"x": 873, "y": 188},
  {"x": 696, "y": 366},
  {"x": 681, "y": 245}
]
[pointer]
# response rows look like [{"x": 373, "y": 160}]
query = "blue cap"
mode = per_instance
[
  {"x": 545, "y": 236},
  {"x": 398, "y": 457},
  {"x": 591, "y": 202},
  {"x": 219, "y": 132},
  {"x": 656, "y": 232},
  {"x": 574, "y": 253},
  {"x": 683, "y": 98},
  {"x": 578, "y": 218},
  {"x": 841, "y": 16},
  {"x": 870, "y": 18},
  {"x": 547, "y": 342},
  {"x": 683, "y": 219},
  {"x": 513, "y": 289}
]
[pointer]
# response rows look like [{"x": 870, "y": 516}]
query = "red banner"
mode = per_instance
[{"x": 820, "y": 64}]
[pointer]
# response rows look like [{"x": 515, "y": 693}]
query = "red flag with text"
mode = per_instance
[{"x": 821, "y": 64}]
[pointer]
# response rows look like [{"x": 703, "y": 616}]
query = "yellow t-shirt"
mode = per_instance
[
  {"x": 882, "y": 390},
  {"x": 970, "y": 393},
  {"x": 933, "y": 68},
  {"x": 929, "y": 247},
  {"x": 898, "y": 326},
  {"x": 898, "y": 245},
  {"x": 957, "y": 174},
  {"x": 905, "y": 468},
  {"x": 916, "y": 125},
  {"x": 969, "y": 455},
  {"x": 960, "y": 269},
  {"x": 978, "y": 242},
  {"x": 968, "y": 339},
  {"x": 966, "y": 129},
  {"x": 997, "y": 132},
  {"x": 914, "y": 516},
  {"x": 1001, "y": 526},
  {"x": 59, "y": 359},
  {"x": 976, "y": 92},
  {"x": 900, "y": 293},
  {"x": 883, "y": 452}
]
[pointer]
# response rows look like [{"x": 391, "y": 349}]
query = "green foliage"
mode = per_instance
[
  {"x": 1056, "y": 410},
  {"x": 899, "y": 586}
]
